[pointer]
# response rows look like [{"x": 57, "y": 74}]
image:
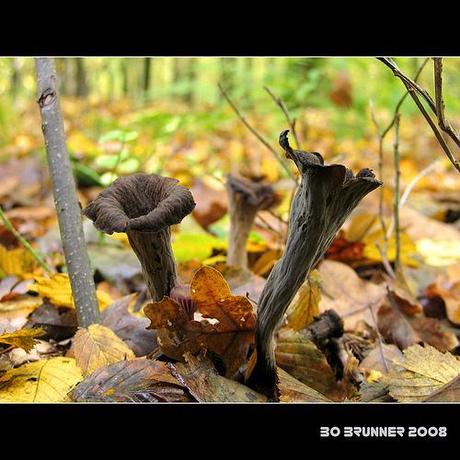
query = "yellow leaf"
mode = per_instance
[
  {"x": 439, "y": 253},
  {"x": 266, "y": 261},
  {"x": 47, "y": 380},
  {"x": 20, "y": 306},
  {"x": 98, "y": 346},
  {"x": 57, "y": 289},
  {"x": 305, "y": 305},
  {"x": 375, "y": 240},
  {"x": 16, "y": 261},
  {"x": 422, "y": 371},
  {"x": 360, "y": 226},
  {"x": 23, "y": 338}
]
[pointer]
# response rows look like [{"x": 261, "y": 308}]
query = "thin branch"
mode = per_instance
[
  {"x": 65, "y": 196},
  {"x": 253, "y": 131},
  {"x": 403, "y": 98},
  {"x": 24, "y": 242},
  {"x": 291, "y": 121},
  {"x": 414, "y": 90},
  {"x": 410, "y": 186},
  {"x": 440, "y": 106}
]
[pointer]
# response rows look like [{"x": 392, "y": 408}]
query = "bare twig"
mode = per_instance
[
  {"x": 256, "y": 134},
  {"x": 440, "y": 106},
  {"x": 410, "y": 186},
  {"x": 291, "y": 121},
  {"x": 403, "y": 98},
  {"x": 24, "y": 242},
  {"x": 65, "y": 197},
  {"x": 414, "y": 91}
]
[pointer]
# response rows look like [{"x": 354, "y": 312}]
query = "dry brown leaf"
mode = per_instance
[
  {"x": 378, "y": 357},
  {"x": 98, "y": 346},
  {"x": 206, "y": 385},
  {"x": 396, "y": 328},
  {"x": 450, "y": 392},
  {"x": 130, "y": 328},
  {"x": 422, "y": 371},
  {"x": 345, "y": 292},
  {"x": 136, "y": 380},
  {"x": 292, "y": 390},
  {"x": 447, "y": 286},
  {"x": 300, "y": 357},
  {"x": 211, "y": 204},
  {"x": 226, "y": 327}
]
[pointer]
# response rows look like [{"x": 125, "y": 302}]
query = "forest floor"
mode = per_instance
[{"x": 400, "y": 338}]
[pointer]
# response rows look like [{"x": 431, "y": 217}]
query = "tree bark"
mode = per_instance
[{"x": 65, "y": 197}]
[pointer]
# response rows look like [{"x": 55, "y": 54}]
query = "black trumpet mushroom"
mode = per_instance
[
  {"x": 145, "y": 206},
  {"x": 325, "y": 198}
]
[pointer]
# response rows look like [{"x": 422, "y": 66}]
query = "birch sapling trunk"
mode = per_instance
[{"x": 65, "y": 197}]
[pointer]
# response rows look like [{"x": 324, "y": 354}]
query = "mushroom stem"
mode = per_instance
[
  {"x": 245, "y": 199},
  {"x": 326, "y": 196},
  {"x": 155, "y": 254}
]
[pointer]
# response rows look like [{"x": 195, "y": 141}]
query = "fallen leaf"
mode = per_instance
[
  {"x": 225, "y": 327},
  {"x": 375, "y": 240},
  {"x": 380, "y": 359},
  {"x": 56, "y": 288},
  {"x": 396, "y": 328},
  {"x": 131, "y": 329},
  {"x": 350, "y": 296},
  {"x": 23, "y": 338},
  {"x": 200, "y": 377},
  {"x": 136, "y": 380},
  {"x": 422, "y": 371},
  {"x": 211, "y": 204},
  {"x": 305, "y": 306},
  {"x": 292, "y": 390},
  {"x": 97, "y": 346},
  {"x": 447, "y": 287},
  {"x": 450, "y": 392},
  {"x": 58, "y": 323},
  {"x": 300, "y": 357},
  {"x": 266, "y": 262},
  {"x": 47, "y": 380},
  {"x": 16, "y": 261}
]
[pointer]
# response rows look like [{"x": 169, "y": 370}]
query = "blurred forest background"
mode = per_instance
[{"x": 167, "y": 116}]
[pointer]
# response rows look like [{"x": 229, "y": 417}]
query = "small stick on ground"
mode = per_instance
[
  {"x": 24, "y": 242},
  {"x": 65, "y": 197}
]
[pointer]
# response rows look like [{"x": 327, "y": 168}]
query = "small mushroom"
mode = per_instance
[
  {"x": 245, "y": 198},
  {"x": 325, "y": 198},
  {"x": 145, "y": 206}
]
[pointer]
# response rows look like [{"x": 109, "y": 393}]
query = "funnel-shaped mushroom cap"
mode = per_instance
[
  {"x": 254, "y": 194},
  {"x": 141, "y": 202}
]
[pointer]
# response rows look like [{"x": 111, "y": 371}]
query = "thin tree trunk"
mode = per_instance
[
  {"x": 82, "y": 85},
  {"x": 147, "y": 77},
  {"x": 65, "y": 197}
]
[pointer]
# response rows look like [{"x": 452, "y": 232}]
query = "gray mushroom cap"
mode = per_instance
[{"x": 140, "y": 202}]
